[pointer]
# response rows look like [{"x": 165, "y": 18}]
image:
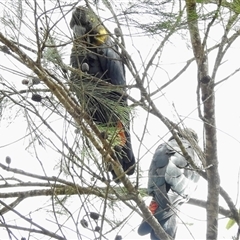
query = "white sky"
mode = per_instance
[{"x": 182, "y": 94}]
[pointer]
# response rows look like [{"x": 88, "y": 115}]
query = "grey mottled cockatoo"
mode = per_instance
[{"x": 171, "y": 182}]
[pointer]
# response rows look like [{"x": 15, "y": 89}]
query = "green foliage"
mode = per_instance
[
  {"x": 92, "y": 93},
  {"x": 231, "y": 222},
  {"x": 236, "y": 6}
]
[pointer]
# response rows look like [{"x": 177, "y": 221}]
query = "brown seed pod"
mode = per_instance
[
  {"x": 85, "y": 67},
  {"x": 84, "y": 223},
  {"x": 117, "y": 32},
  {"x": 36, "y": 97},
  {"x": 35, "y": 80},
  {"x": 118, "y": 237},
  {"x": 25, "y": 82},
  {"x": 97, "y": 229},
  {"x": 94, "y": 215},
  {"x": 8, "y": 160},
  {"x": 205, "y": 79}
]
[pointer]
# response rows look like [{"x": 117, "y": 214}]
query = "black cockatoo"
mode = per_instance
[
  {"x": 99, "y": 83},
  {"x": 171, "y": 181}
]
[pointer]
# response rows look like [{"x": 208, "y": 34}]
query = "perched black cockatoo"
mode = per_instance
[
  {"x": 171, "y": 182},
  {"x": 99, "y": 83}
]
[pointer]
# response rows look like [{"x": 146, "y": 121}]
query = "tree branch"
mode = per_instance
[{"x": 208, "y": 98}]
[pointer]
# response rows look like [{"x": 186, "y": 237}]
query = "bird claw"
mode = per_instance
[
  {"x": 104, "y": 135},
  {"x": 117, "y": 148}
]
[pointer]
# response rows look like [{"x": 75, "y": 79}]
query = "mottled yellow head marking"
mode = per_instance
[{"x": 101, "y": 36}]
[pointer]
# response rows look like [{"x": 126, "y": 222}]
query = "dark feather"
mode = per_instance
[{"x": 101, "y": 88}]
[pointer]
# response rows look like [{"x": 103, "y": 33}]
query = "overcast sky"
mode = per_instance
[{"x": 179, "y": 99}]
